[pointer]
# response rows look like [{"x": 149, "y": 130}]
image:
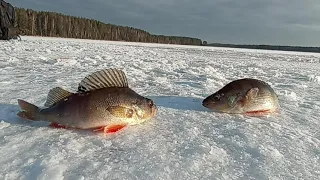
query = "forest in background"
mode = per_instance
[
  {"x": 41, "y": 23},
  {"x": 52, "y": 24},
  {"x": 268, "y": 47}
]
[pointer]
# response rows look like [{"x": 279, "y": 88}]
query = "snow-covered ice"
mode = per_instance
[{"x": 185, "y": 140}]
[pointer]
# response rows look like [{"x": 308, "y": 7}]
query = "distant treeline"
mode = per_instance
[
  {"x": 269, "y": 47},
  {"x": 40, "y": 23}
]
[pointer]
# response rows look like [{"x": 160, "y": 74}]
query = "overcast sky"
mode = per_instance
[{"x": 280, "y": 22}]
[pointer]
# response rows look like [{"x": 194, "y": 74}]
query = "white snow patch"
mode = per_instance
[
  {"x": 292, "y": 96},
  {"x": 314, "y": 78}
]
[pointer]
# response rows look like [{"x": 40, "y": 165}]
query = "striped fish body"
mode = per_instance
[
  {"x": 92, "y": 109},
  {"x": 244, "y": 96},
  {"x": 103, "y": 99}
]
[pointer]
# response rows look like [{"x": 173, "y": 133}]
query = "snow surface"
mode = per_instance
[{"x": 185, "y": 140}]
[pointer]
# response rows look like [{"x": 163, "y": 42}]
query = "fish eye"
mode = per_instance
[
  {"x": 216, "y": 97},
  {"x": 150, "y": 102},
  {"x": 129, "y": 113}
]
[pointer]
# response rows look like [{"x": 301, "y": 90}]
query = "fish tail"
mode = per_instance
[{"x": 29, "y": 111}]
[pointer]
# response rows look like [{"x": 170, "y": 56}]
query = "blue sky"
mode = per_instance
[{"x": 279, "y": 22}]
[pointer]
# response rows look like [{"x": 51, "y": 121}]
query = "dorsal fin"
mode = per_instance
[
  {"x": 55, "y": 95},
  {"x": 103, "y": 79}
]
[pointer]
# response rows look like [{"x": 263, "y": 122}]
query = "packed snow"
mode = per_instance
[{"x": 184, "y": 140}]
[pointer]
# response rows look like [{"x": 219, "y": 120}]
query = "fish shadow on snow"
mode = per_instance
[
  {"x": 179, "y": 103},
  {"x": 195, "y": 104}
]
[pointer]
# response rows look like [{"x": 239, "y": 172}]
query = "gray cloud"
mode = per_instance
[{"x": 285, "y": 22}]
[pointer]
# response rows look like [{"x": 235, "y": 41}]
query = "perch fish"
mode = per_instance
[
  {"x": 103, "y": 101},
  {"x": 247, "y": 96}
]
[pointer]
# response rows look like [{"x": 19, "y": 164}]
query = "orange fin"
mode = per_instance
[
  {"x": 260, "y": 112},
  {"x": 113, "y": 128},
  {"x": 56, "y": 125}
]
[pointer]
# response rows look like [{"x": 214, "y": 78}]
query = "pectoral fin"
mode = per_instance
[
  {"x": 120, "y": 111},
  {"x": 252, "y": 93},
  {"x": 249, "y": 96}
]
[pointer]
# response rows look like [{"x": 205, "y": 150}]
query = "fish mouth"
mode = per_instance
[
  {"x": 207, "y": 104},
  {"x": 204, "y": 104},
  {"x": 216, "y": 107}
]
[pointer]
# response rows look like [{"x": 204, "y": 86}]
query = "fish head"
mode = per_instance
[
  {"x": 140, "y": 111},
  {"x": 221, "y": 101}
]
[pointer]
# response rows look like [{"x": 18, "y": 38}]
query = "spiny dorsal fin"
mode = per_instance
[
  {"x": 103, "y": 79},
  {"x": 55, "y": 95}
]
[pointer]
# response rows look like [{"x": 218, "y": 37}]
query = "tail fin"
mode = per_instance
[{"x": 29, "y": 111}]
